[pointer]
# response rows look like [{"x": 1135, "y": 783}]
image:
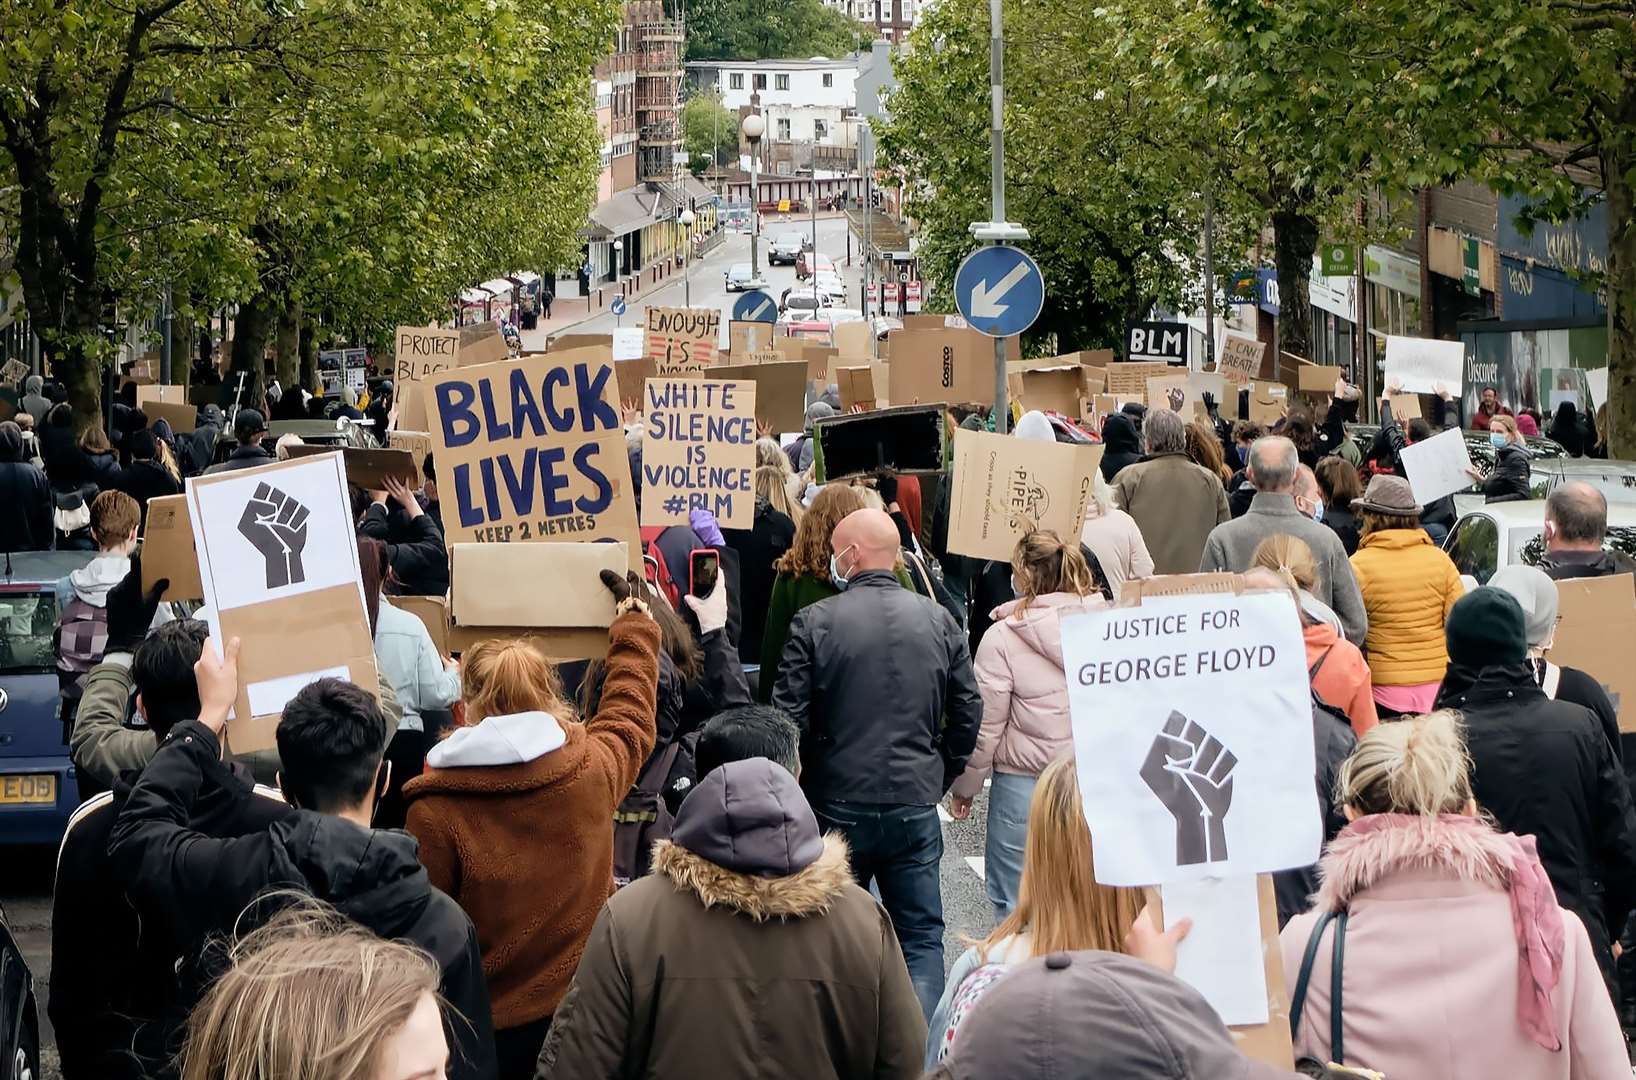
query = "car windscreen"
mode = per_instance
[{"x": 28, "y": 622}]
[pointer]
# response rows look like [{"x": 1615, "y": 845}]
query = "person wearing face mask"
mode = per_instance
[
  {"x": 879, "y": 680},
  {"x": 1508, "y": 480}
]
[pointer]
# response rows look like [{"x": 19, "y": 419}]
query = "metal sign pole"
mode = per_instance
[{"x": 996, "y": 72}]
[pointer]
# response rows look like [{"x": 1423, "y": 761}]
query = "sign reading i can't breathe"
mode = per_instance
[
  {"x": 698, "y": 451},
  {"x": 682, "y": 339},
  {"x": 1192, "y": 721},
  {"x": 532, "y": 449}
]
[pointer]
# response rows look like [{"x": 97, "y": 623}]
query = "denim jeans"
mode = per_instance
[
  {"x": 899, "y": 848},
  {"x": 1008, "y": 799}
]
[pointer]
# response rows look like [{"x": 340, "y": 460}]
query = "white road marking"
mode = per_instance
[{"x": 976, "y": 864}]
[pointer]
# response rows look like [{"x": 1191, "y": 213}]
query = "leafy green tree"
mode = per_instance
[
  {"x": 710, "y": 130},
  {"x": 770, "y": 29}
]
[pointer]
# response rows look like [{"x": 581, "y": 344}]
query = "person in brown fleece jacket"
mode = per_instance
[{"x": 514, "y": 813}]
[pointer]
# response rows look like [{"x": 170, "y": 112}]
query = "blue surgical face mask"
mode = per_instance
[
  {"x": 840, "y": 580},
  {"x": 1498, "y": 439},
  {"x": 1317, "y": 510}
]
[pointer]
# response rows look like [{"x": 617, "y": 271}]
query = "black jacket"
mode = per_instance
[
  {"x": 414, "y": 548},
  {"x": 1121, "y": 445},
  {"x": 1344, "y": 523},
  {"x": 1240, "y": 494},
  {"x": 26, "y": 523},
  {"x": 1332, "y": 743},
  {"x": 1545, "y": 768},
  {"x": 144, "y": 480},
  {"x": 60, "y": 453},
  {"x": 758, "y": 547},
  {"x": 1508, "y": 481},
  {"x": 195, "y": 451},
  {"x": 1566, "y": 565},
  {"x": 195, "y": 886},
  {"x": 879, "y": 681},
  {"x": 116, "y": 1002},
  {"x": 244, "y": 456},
  {"x": 102, "y": 469}
]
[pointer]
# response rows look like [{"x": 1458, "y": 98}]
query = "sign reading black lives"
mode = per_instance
[{"x": 1165, "y": 341}]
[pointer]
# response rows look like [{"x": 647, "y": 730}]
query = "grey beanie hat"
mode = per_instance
[{"x": 1537, "y": 594}]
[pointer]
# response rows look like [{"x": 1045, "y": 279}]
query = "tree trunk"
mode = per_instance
[
  {"x": 288, "y": 345},
  {"x": 182, "y": 346},
  {"x": 1295, "y": 240},
  {"x": 1618, "y": 161},
  {"x": 252, "y": 326},
  {"x": 309, "y": 354}
]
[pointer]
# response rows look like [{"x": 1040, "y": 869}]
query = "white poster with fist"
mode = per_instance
[
  {"x": 1192, "y": 720},
  {"x": 272, "y": 532}
]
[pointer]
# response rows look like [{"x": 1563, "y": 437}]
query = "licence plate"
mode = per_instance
[{"x": 28, "y": 788}]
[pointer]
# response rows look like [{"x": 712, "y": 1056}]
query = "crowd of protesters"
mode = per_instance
[{"x": 716, "y": 850}]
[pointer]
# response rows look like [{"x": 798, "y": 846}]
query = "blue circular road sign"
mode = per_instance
[
  {"x": 755, "y": 306},
  {"x": 999, "y": 290},
  {"x": 618, "y": 305}
]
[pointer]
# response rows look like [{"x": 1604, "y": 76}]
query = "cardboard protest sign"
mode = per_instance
[
  {"x": 1422, "y": 365},
  {"x": 420, "y": 351},
  {"x": 857, "y": 387},
  {"x": 781, "y": 391},
  {"x": 181, "y": 416},
  {"x": 1596, "y": 621},
  {"x": 484, "y": 601},
  {"x": 171, "y": 395},
  {"x": 367, "y": 467},
  {"x": 1053, "y": 389},
  {"x": 1437, "y": 466},
  {"x": 628, "y": 343},
  {"x": 1405, "y": 407},
  {"x": 941, "y": 365},
  {"x": 818, "y": 357},
  {"x": 905, "y": 438},
  {"x": 1192, "y": 721},
  {"x": 1005, "y": 488},
  {"x": 1239, "y": 358},
  {"x": 433, "y": 613},
  {"x": 1160, "y": 341},
  {"x": 278, "y": 560},
  {"x": 167, "y": 549},
  {"x": 418, "y": 444},
  {"x": 745, "y": 337},
  {"x": 682, "y": 339},
  {"x": 698, "y": 451},
  {"x": 481, "y": 343},
  {"x": 532, "y": 449},
  {"x": 1130, "y": 380},
  {"x": 632, "y": 375},
  {"x": 1269, "y": 402},
  {"x": 1317, "y": 378},
  {"x": 855, "y": 339},
  {"x": 14, "y": 371},
  {"x": 1176, "y": 393}
]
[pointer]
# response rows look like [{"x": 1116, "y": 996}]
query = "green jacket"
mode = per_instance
[
  {"x": 103, "y": 747},
  {"x": 790, "y": 595}
]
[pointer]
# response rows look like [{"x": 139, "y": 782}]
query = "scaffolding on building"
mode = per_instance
[{"x": 658, "y": 43}]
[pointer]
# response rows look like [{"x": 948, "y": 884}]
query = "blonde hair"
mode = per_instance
[
  {"x": 773, "y": 485},
  {"x": 1060, "y": 904},
  {"x": 281, "y": 449},
  {"x": 1044, "y": 563},
  {"x": 1289, "y": 558},
  {"x": 1417, "y": 765},
  {"x": 166, "y": 458},
  {"x": 509, "y": 676},
  {"x": 768, "y": 452},
  {"x": 810, "y": 553},
  {"x": 310, "y": 996},
  {"x": 1507, "y": 424}
]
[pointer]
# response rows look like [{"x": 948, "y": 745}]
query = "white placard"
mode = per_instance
[
  {"x": 630, "y": 343},
  {"x": 1437, "y": 466},
  {"x": 1221, "y": 955},
  {"x": 1596, "y": 380},
  {"x": 1192, "y": 720},
  {"x": 1423, "y": 365},
  {"x": 273, "y": 532},
  {"x": 271, "y": 695}
]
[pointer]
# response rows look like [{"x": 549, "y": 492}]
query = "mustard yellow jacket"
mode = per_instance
[{"x": 1408, "y": 587}]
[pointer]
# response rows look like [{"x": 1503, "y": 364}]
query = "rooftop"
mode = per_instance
[{"x": 815, "y": 63}]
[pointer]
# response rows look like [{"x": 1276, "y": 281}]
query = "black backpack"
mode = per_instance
[{"x": 642, "y": 818}]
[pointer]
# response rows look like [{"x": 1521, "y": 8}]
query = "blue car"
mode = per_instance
[{"x": 38, "y": 788}]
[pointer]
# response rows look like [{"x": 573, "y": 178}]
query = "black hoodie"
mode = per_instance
[
  {"x": 1121, "y": 445},
  {"x": 197, "y": 886}
]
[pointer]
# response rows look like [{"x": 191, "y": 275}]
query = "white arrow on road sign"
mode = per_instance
[
  {"x": 761, "y": 309},
  {"x": 985, "y": 302}
]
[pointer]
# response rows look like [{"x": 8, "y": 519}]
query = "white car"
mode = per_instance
[
  {"x": 1495, "y": 535},
  {"x": 830, "y": 284}
]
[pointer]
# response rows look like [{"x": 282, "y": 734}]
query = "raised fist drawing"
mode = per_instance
[
  {"x": 1177, "y": 398},
  {"x": 277, "y": 525},
  {"x": 1192, "y": 774}
]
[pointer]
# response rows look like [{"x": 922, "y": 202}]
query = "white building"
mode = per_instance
[
  {"x": 818, "y": 82},
  {"x": 891, "y": 19}
]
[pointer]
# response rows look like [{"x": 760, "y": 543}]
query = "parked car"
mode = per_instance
[
  {"x": 1486, "y": 538},
  {"x": 1616, "y": 480},
  {"x": 786, "y": 248},
  {"x": 805, "y": 262},
  {"x": 1477, "y": 445},
  {"x": 803, "y": 301},
  {"x": 38, "y": 787},
  {"x": 337, "y": 433},
  {"x": 829, "y": 283},
  {"x": 740, "y": 278},
  {"x": 817, "y": 325},
  {"x": 19, "y": 1011}
]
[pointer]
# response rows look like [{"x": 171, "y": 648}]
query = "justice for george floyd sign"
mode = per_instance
[
  {"x": 698, "y": 451},
  {"x": 532, "y": 449}
]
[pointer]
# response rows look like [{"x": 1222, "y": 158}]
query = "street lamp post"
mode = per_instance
[
  {"x": 687, "y": 219},
  {"x": 754, "y": 128}
]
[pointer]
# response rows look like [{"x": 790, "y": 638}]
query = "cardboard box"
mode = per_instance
[
  {"x": 170, "y": 395},
  {"x": 1130, "y": 379},
  {"x": 857, "y": 387},
  {"x": 167, "y": 549},
  {"x": 1269, "y": 402},
  {"x": 781, "y": 390},
  {"x": 1596, "y": 623},
  {"x": 907, "y": 438},
  {"x": 182, "y": 417},
  {"x": 1005, "y": 488},
  {"x": 564, "y": 342},
  {"x": 480, "y": 343},
  {"x": 368, "y": 468},
  {"x": 1405, "y": 407},
  {"x": 855, "y": 339},
  {"x": 1317, "y": 378},
  {"x": 432, "y": 611},
  {"x": 631, "y": 375},
  {"x": 745, "y": 337},
  {"x": 954, "y": 366},
  {"x": 485, "y": 603},
  {"x": 1055, "y": 389},
  {"x": 418, "y": 444}
]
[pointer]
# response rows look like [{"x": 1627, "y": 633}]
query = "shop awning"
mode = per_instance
[{"x": 625, "y": 213}]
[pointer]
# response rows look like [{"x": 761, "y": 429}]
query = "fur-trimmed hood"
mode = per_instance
[
  {"x": 807, "y": 892},
  {"x": 746, "y": 838},
  {"x": 1374, "y": 848}
]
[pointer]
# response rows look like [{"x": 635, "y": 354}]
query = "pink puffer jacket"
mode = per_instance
[{"x": 1025, "y": 695}]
